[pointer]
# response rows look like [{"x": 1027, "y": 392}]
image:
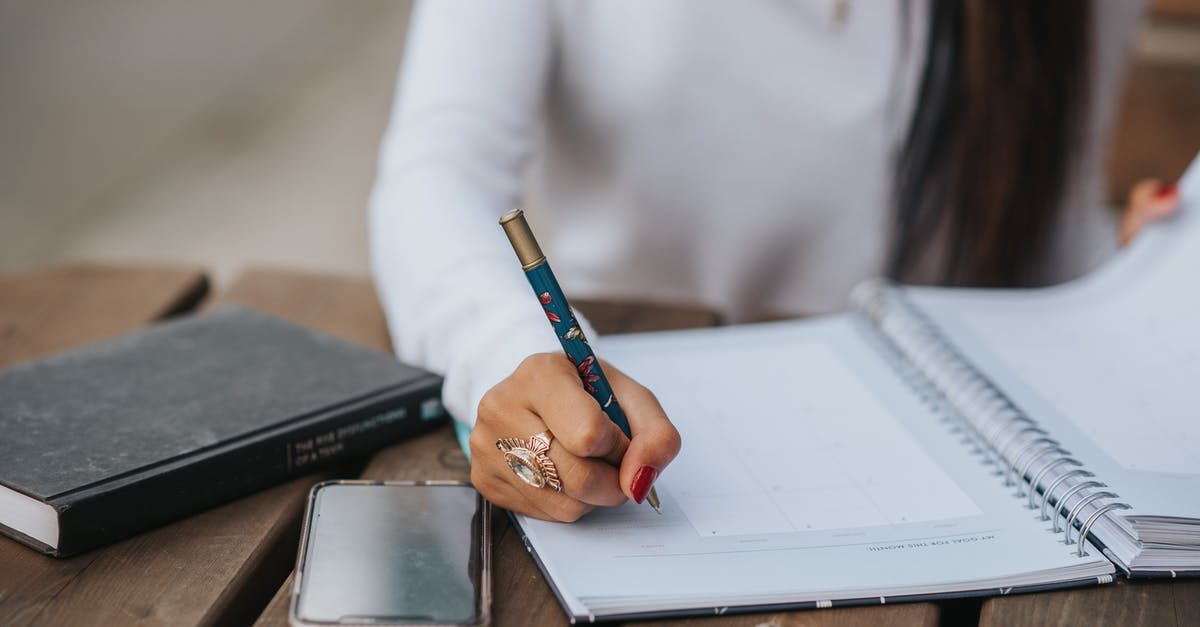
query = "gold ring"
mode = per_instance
[{"x": 529, "y": 460}]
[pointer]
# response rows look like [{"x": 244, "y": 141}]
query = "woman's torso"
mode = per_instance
[{"x": 737, "y": 155}]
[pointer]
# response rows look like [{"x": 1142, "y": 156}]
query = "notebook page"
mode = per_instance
[
  {"x": 1109, "y": 364},
  {"x": 809, "y": 471}
]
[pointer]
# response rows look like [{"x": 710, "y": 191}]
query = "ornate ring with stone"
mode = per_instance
[{"x": 529, "y": 460}]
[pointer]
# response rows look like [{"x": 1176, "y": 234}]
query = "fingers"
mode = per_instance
[
  {"x": 578, "y": 426},
  {"x": 585, "y": 482},
  {"x": 1149, "y": 200},
  {"x": 596, "y": 463},
  {"x": 591, "y": 481},
  {"x": 502, "y": 494},
  {"x": 573, "y": 416},
  {"x": 655, "y": 440}
]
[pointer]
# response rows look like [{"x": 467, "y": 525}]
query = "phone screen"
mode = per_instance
[{"x": 392, "y": 553}]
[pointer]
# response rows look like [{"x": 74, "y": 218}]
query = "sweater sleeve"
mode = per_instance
[{"x": 463, "y": 125}]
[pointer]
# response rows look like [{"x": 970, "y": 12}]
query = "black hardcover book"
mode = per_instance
[{"x": 102, "y": 442}]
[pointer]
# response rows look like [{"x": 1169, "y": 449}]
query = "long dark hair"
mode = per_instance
[{"x": 1000, "y": 104}]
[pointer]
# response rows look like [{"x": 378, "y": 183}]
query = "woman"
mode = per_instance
[{"x": 751, "y": 156}]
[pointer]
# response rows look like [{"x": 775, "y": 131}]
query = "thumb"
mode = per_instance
[{"x": 655, "y": 441}]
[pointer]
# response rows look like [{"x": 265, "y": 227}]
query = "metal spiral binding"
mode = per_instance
[
  {"x": 1078, "y": 488},
  {"x": 1078, "y": 472},
  {"x": 1002, "y": 434},
  {"x": 1037, "y": 477}
]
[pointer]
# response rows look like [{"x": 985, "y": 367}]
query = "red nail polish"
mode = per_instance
[
  {"x": 642, "y": 482},
  {"x": 1166, "y": 191}
]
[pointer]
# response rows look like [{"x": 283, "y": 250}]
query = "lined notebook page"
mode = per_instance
[
  {"x": 1109, "y": 364},
  {"x": 809, "y": 471}
]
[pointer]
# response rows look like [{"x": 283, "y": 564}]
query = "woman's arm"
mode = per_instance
[
  {"x": 462, "y": 130},
  {"x": 463, "y": 126}
]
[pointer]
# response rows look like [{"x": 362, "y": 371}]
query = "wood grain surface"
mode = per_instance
[
  {"x": 1123, "y": 603},
  {"x": 628, "y": 317},
  {"x": 345, "y": 307},
  {"x": 49, "y": 310}
]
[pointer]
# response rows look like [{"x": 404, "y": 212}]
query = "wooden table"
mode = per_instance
[{"x": 232, "y": 565}]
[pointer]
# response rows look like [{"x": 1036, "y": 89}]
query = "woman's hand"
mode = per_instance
[
  {"x": 596, "y": 463},
  {"x": 1149, "y": 200}
]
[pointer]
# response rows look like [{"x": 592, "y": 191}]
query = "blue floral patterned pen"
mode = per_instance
[{"x": 562, "y": 318}]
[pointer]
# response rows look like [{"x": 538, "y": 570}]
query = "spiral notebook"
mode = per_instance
[{"x": 931, "y": 443}]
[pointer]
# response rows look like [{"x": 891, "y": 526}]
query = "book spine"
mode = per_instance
[
  {"x": 1017, "y": 447},
  {"x": 149, "y": 498}
]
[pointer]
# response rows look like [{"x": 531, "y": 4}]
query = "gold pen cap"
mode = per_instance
[{"x": 521, "y": 238}]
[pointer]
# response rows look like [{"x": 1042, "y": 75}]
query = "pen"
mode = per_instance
[{"x": 562, "y": 319}]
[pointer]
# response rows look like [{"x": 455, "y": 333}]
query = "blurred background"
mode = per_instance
[{"x": 225, "y": 134}]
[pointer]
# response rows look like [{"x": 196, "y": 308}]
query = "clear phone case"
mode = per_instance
[{"x": 481, "y": 550}]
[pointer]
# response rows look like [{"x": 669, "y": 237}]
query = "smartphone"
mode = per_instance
[{"x": 394, "y": 553}]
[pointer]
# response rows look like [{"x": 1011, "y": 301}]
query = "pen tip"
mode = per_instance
[{"x": 652, "y": 499}]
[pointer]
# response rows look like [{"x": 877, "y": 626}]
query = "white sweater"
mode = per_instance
[{"x": 730, "y": 154}]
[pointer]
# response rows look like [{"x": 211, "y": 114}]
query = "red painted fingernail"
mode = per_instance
[
  {"x": 642, "y": 482},
  {"x": 1166, "y": 191}
]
